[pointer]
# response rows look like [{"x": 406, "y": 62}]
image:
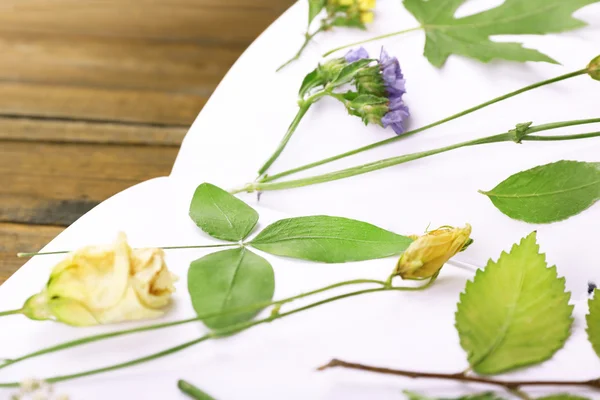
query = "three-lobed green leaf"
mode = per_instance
[
  {"x": 548, "y": 193},
  {"x": 470, "y": 36},
  {"x": 329, "y": 239},
  {"x": 515, "y": 312},
  {"x": 593, "y": 322},
  {"x": 229, "y": 280},
  {"x": 220, "y": 214}
]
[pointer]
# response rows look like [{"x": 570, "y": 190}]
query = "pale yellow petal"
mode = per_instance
[
  {"x": 71, "y": 312},
  {"x": 152, "y": 281},
  {"x": 36, "y": 307},
  {"x": 129, "y": 309},
  {"x": 366, "y": 17}
]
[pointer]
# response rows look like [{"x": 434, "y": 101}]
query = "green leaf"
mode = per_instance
[
  {"x": 562, "y": 396},
  {"x": 311, "y": 81},
  {"x": 314, "y": 8},
  {"x": 227, "y": 280},
  {"x": 548, "y": 193},
  {"x": 470, "y": 36},
  {"x": 329, "y": 239},
  {"x": 349, "y": 22},
  {"x": 515, "y": 312},
  {"x": 221, "y": 214},
  {"x": 593, "y": 321},
  {"x": 480, "y": 396},
  {"x": 349, "y": 71}
]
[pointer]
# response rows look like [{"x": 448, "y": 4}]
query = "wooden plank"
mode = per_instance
[
  {"x": 115, "y": 63},
  {"x": 27, "y": 129},
  {"x": 205, "y": 20},
  {"x": 99, "y": 104},
  {"x": 15, "y": 238},
  {"x": 54, "y": 184}
]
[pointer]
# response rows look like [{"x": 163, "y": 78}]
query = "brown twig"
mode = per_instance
[{"x": 462, "y": 377}]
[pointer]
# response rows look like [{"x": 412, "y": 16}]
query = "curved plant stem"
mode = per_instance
[
  {"x": 254, "y": 307},
  {"x": 387, "y": 35},
  {"x": 307, "y": 38},
  {"x": 207, "y": 246},
  {"x": 385, "y": 163},
  {"x": 304, "y": 106},
  {"x": 461, "y": 377},
  {"x": 10, "y": 312},
  {"x": 219, "y": 333},
  {"x": 432, "y": 125}
]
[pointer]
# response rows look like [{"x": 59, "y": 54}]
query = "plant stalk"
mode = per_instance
[
  {"x": 307, "y": 39},
  {"x": 432, "y": 125},
  {"x": 385, "y": 36},
  {"x": 461, "y": 377},
  {"x": 207, "y": 246},
  {"x": 254, "y": 307},
  {"x": 304, "y": 106},
  {"x": 218, "y": 333},
  {"x": 192, "y": 391},
  {"x": 11, "y": 312},
  {"x": 385, "y": 163}
]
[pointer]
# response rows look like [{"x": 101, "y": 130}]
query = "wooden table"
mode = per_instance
[{"x": 96, "y": 96}]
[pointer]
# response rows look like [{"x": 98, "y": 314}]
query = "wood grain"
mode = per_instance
[
  {"x": 56, "y": 183},
  {"x": 98, "y": 104},
  {"x": 53, "y": 131},
  {"x": 15, "y": 238}
]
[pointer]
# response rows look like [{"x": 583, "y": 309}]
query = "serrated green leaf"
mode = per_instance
[
  {"x": 227, "y": 280},
  {"x": 593, "y": 321},
  {"x": 329, "y": 240},
  {"x": 562, "y": 396},
  {"x": 479, "y": 396},
  {"x": 314, "y": 8},
  {"x": 548, "y": 193},
  {"x": 515, "y": 313},
  {"x": 221, "y": 214},
  {"x": 470, "y": 36}
]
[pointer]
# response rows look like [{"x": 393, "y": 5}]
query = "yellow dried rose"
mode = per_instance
[
  {"x": 428, "y": 253},
  {"x": 101, "y": 285}
]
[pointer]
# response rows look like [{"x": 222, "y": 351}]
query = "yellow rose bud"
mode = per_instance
[
  {"x": 428, "y": 253},
  {"x": 594, "y": 68},
  {"x": 101, "y": 285}
]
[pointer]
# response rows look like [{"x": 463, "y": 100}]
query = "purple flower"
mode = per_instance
[
  {"x": 395, "y": 85},
  {"x": 356, "y": 54}
]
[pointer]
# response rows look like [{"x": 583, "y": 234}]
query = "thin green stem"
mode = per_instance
[
  {"x": 374, "y": 166},
  {"x": 304, "y": 106},
  {"x": 192, "y": 391},
  {"x": 217, "y": 333},
  {"x": 207, "y": 246},
  {"x": 432, "y": 125},
  {"x": 239, "y": 310},
  {"x": 387, "y": 35},
  {"x": 10, "y": 312},
  {"x": 365, "y": 168},
  {"x": 307, "y": 39}
]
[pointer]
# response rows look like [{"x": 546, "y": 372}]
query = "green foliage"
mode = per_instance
[
  {"x": 349, "y": 71},
  {"x": 314, "y": 8},
  {"x": 221, "y": 214},
  {"x": 470, "y": 36},
  {"x": 548, "y": 193},
  {"x": 312, "y": 80},
  {"x": 593, "y": 322},
  {"x": 192, "y": 391},
  {"x": 515, "y": 312},
  {"x": 329, "y": 239},
  {"x": 227, "y": 280},
  {"x": 562, "y": 396}
]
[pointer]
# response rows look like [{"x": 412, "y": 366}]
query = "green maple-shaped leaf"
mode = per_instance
[
  {"x": 515, "y": 312},
  {"x": 470, "y": 36},
  {"x": 593, "y": 322}
]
